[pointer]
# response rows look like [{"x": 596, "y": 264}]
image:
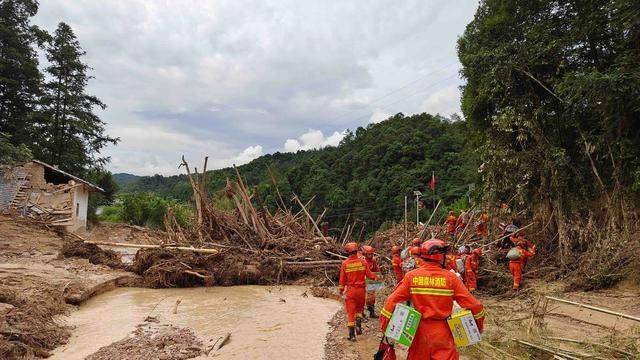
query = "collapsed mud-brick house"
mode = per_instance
[{"x": 46, "y": 193}]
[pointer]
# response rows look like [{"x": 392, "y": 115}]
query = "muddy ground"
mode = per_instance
[
  {"x": 37, "y": 285},
  {"x": 511, "y": 316}
]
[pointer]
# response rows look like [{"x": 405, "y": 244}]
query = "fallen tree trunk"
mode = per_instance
[{"x": 147, "y": 246}]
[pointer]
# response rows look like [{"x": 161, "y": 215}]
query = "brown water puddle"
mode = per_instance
[{"x": 265, "y": 322}]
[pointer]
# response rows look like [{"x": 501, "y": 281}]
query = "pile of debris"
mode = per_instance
[{"x": 252, "y": 244}]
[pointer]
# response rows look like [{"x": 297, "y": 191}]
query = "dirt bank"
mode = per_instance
[{"x": 36, "y": 284}]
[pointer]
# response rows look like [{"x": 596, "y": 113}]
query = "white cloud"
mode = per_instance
[
  {"x": 313, "y": 139},
  {"x": 444, "y": 102},
  {"x": 248, "y": 154},
  {"x": 378, "y": 115},
  {"x": 222, "y": 76}
]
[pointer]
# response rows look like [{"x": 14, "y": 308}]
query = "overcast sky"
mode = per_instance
[{"x": 238, "y": 79}]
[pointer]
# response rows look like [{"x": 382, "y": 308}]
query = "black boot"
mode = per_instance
[
  {"x": 372, "y": 312},
  {"x": 352, "y": 333},
  {"x": 359, "y": 326}
]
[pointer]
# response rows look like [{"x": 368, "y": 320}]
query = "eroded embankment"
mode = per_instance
[{"x": 37, "y": 284}]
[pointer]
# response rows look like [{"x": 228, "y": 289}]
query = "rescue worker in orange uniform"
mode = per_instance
[
  {"x": 372, "y": 264},
  {"x": 432, "y": 290},
  {"x": 352, "y": 277},
  {"x": 470, "y": 259},
  {"x": 416, "y": 242},
  {"x": 396, "y": 263},
  {"x": 482, "y": 227},
  {"x": 516, "y": 266},
  {"x": 451, "y": 224},
  {"x": 462, "y": 221}
]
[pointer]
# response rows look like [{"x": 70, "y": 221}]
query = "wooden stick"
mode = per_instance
[
  {"x": 146, "y": 246},
  {"x": 551, "y": 351},
  {"x": 336, "y": 255},
  {"x": 428, "y": 221},
  {"x": 312, "y": 220},
  {"x": 615, "y": 313},
  {"x": 505, "y": 236},
  {"x": 588, "y": 343}
]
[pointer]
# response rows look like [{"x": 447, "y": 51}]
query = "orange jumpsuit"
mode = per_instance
[
  {"x": 432, "y": 291},
  {"x": 450, "y": 262},
  {"x": 516, "y": 266},
  {"x": 451, "y": 225},
  {"x": 372, "y": 263},
  {"x": 482, "y": 229},
  {"x": 470, "y": 275},
  {"x": 352, "y": 275},
  {"x": 396, "y": 263}
]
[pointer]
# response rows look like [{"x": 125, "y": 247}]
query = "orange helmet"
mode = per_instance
[
  {"x": 416, "y": 242},
  {"x": 395, "y": 249},
  {"x": 414, "y": 250},
  {"x": 351, "y": 247},
  {"x": 434, "y": 250},
  {"x": 367, "y": 250}
]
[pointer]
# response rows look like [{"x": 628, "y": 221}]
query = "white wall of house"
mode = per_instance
[{"x": 80, "y": 208}]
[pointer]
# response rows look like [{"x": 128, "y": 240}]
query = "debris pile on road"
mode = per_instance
[
  {"x": 253, "y": 245},
  {"x": 95, "y": 254}
]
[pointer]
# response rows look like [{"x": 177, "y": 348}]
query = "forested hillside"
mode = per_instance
[{"x": 366, "y": 177}]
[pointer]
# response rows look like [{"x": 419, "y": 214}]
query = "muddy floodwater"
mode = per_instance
[{"x": 264, "y": 322}]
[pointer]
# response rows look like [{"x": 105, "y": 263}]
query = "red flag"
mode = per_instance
[{"x": 432, "y": 183}]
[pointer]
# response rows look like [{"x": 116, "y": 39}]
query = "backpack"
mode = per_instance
[{"x": 514, "y": 254}]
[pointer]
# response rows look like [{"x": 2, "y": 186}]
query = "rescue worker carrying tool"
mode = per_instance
[
  {"x": 352, "y": 277},
  {"x": 372, "y": 264},
  {"x": 409, "y": 262},
  {"x": 396, "y": 263},
  {"x": 432, "y": 290},
  {"x": 518, "y": 257}
]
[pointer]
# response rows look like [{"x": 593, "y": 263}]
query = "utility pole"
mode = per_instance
[{"x": 417, "y": 194}]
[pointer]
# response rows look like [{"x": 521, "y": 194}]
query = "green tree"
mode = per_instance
[
  {"x": 553, "y": 96},
  {"x": 12, "y": 154},
  {"x": 73, "y": 134},
  {"x": 20, "y": 79}
]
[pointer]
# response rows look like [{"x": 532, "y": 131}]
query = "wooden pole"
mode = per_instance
[
  {"x": 312, "y": 220},
  {"x": 148, "y": 246},
  {"x": 610, "y": 312},
  {"x": 428, "y": 221}
]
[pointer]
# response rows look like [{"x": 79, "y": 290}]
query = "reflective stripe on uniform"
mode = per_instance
[
  {"x": 385, "y": 313},
  {"x": 355, "y": 268},
  {"x": 431, "y": 291},
  {"x": 479, "y": 315}
]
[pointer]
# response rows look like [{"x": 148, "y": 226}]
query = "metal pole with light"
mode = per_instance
[{"x": 417, "y": 194}]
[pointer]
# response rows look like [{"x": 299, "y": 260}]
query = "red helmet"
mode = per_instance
[
  {"x": 416, "y": 242},
  {"x": 414, "y": 250},
  {"x": 367, "y": 250},
  {"x": 395, "y": 249},
  {"x": 434, "y": 250},
  {"x": 351, "y": 247}
]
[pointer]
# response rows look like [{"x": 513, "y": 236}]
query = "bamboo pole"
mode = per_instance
[
  {"x": 424, "y": 230},
  {"x": 148, "y": 246},
  {"x": 312, "y": 220},
  {"x": 590, "y": 307}
]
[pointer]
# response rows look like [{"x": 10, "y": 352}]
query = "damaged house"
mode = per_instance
[{"x": 44, "y": 192}]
